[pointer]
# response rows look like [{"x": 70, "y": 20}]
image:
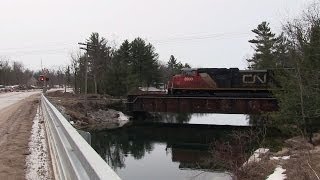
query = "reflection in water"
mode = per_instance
[
  {"x": 200, "y": 118},
  {"x": 162, "y": 150},
  {"x": 171, "y": 117},
  {"x": 220, "y": 119}
]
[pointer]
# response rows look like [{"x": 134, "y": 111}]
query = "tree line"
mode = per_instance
[
  {"x": 117, "y": 71},
  {"x": 111, "y": 70},
  {"x": 15, "y": 73},
  {"x": 294, "y": 56}
]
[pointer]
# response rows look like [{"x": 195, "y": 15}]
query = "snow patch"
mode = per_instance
[
  {"x": 150, "y": 89},
  {"x": 255, "y": 157},
  {"x": 37, "y": 161},
  {"x": 123, "y": 119},
  {"x": 277, "y": 174},
  {"x": 277, "y": 158},
  {"x": 285, "y": 157}
]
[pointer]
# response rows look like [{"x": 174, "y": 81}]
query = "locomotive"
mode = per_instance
[{"x": 221, "y": 82}]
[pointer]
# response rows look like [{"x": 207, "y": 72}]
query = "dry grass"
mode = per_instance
[
  {"x": 257, "y": 171},
  {"x": 304, "y": 162},
  {"x": 303, "y": 166},
  {"x": 75, "y": 107}
]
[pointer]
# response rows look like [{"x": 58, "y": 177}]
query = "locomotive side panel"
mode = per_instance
[
  {"x": 190, "y": 82},
  {"x": 221, "y": 76},
  {"x": 255, "y": 79},
  {"x": 213, "y": 80},
  {"x": 234, "y": 78}
]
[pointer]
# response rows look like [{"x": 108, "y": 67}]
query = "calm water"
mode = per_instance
[{"x": 167, "y": 147}]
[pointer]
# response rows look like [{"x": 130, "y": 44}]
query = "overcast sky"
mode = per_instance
[{"x": 203, "y": 33}]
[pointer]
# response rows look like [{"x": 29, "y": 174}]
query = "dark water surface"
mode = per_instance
[{"x": 170, "y": 147}]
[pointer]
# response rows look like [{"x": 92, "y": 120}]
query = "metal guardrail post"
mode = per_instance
[{"x": 72, "y": 157}]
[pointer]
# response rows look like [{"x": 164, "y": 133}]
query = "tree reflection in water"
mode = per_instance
[
  {"x": 189, "y": 144},
  {"x": 171, "y": 117},
  {"x": 115, "y": 145}
]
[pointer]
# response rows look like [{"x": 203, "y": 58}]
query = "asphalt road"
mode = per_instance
[
  {"x": 7, "y": 99},
  {"x": 17, "y": 111}
]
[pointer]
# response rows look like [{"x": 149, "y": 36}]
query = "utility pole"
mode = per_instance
[
  {"x": 86, "y": 76},
  {"x": 87, "y": 48},
  {"x": 44, "y": 73}
]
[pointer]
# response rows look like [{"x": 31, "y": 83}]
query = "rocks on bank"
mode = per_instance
[
  {"x": 97, "y": 114},
  {"x": 298, "y": 159}
]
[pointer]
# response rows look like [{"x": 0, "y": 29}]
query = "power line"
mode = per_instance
[
  {"x": 201, "y": 37},
  {"x": 46, "y": 51},
  {"x": 177, "y": 39},
  {"x": 31, "y": 46}
]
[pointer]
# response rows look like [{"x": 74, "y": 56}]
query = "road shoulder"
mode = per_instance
[{"x": 15, "y": 130}]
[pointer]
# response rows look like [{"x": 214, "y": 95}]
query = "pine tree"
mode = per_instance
[
  {"x": 99, "y": 57},
  {"x": 264, "y": 46},
  {"x": 119, "y": 72},
  {"x": 174, "y": 66},
  {"x": 144, "y": 62}
]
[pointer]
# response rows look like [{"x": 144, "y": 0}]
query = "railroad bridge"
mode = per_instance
[{"x": 200, "y": 104}]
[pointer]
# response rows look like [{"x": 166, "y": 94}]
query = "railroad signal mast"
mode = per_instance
[{"x": 43, "y": 77}]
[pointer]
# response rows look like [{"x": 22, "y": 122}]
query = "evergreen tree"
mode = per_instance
[
  {"x": 174, "y": 66},
  {"x": 99, "y": 54},
  {"x": 119, "y": 72},
  {"x": 172, "y": 63},
  {"x": 299, "y": 98},
  {"x": 264, "y": 44},
  {"x": 144, "y": 62}
]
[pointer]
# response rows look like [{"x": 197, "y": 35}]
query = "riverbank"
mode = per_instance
[
  {"x": 100, "y": 112},
  {"x": 298, "y": 159}
]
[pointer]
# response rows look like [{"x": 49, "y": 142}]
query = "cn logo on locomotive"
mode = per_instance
[{"x": 254, "y": 78}]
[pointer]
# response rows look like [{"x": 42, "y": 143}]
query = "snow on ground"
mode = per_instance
[
  {"x": 150, "y": 89},
  {"x": 277, "y": 174},
  {"x": 9, "y": 98},
  {"x": 278, "y": 158},
  {"x": 123, "y": 119},
  {"x": 256, "y": 156},
  {"x": 69, "y": 90},
  {"x": 37, "y": 161}
]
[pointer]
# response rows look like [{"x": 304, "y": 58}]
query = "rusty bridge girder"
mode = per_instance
[{"x": 178, "y": 104}]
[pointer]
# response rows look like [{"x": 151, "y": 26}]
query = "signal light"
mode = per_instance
[{"x": 41, "y": 78}]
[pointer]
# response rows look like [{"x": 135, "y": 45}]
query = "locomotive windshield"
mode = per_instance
[{"x": 189, "y": 71}]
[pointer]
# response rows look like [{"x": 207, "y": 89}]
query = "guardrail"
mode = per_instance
[{"x": 72, "y": 157}]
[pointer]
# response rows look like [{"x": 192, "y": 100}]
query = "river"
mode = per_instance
[{"x": 168, "y": 147}]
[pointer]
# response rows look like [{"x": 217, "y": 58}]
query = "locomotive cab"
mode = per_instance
[
  {"x": 189, "y": 72},
  {"x": 181, "y": 83}
]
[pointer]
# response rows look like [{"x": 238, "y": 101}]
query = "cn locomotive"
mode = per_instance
[{"x": 221, "y": 82}]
